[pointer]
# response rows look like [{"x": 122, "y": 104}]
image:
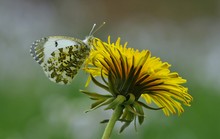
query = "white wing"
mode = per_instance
[{"x": 61, "y": 57}]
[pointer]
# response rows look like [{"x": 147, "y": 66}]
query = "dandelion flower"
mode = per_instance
[{"x": 128, "y": 75}]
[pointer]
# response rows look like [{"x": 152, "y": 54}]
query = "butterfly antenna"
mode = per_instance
[
  {"x": 93, "y": 27},
  {"x": 94, "y": 31}
]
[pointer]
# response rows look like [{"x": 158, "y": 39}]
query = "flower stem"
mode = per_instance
[{"x": 115, "y": 116}]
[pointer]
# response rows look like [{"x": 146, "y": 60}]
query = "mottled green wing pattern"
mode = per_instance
[
  {"x": 64, "y": 63},
  {"x": 61, "y": 57}
]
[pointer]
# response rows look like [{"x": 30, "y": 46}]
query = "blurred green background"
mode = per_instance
[{"x": 184, "y": 33}]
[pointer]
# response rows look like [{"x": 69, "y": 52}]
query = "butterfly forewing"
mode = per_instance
[{"x": 61, "y": 57}]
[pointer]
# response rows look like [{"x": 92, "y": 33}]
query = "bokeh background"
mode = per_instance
[{"x": 184, "y": 33}]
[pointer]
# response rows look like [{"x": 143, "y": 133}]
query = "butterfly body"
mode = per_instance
[{"x": 60, "y": 56}]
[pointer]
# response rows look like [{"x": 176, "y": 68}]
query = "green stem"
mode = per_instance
[{"x": 115, "y": 116}]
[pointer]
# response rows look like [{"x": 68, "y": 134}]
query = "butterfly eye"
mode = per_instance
[{"x": 56, "y": 43}]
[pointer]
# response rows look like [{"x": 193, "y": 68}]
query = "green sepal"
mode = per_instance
[
  {"x": 123, "y": 120},
  {"x": 97, "y": 103},
  {"x": 130, "y": 100},
  {"x": 95, "y": 96},
  {"x": 135, "y": 123},
  {"x": 103, "y": 78},
  {"x": 128, "y": 118},
  {"x": 104, "y": 121},
  {"x": 124, "y": 114},
  {"x": 112, "y": 85},
  {"x": 106, "y": 102},
  {"x": 148, "y": 107},
  {"x": 117, "y": 101},
  {"x": 140, "y": 110},
  {"x": 131, "y": 109},
  {"x": 125, "y": 125},
  {"x": 99, "y": 84},
  {"x": 130, "y": 79}
]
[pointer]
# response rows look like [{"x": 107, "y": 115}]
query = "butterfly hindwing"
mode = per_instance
[
  {"x": 61, "y": 57},
  {"x": 37, "y": 50}
]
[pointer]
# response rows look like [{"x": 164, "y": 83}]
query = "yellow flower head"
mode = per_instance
[{"x": 132, "y": 74}]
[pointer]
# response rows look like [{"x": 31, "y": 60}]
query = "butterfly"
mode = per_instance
[{"x": 61, "y": 56}]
